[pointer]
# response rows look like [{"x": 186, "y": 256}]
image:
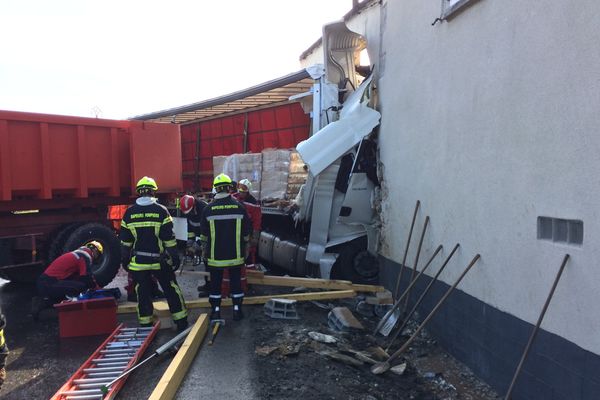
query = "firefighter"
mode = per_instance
[
  {"x": 149, "y": 248},
  {"x": 192, "y": 209},
  {"x": 68, "y": 275},
  {"x": 3, "y": 350},
  {"x": 224, "y": 233},
  {"x": 243, "y": 192}
]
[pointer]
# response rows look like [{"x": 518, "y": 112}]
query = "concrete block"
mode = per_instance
[
  {"x": 281, "y": 309},
  {"x": 341, "y": 318}
]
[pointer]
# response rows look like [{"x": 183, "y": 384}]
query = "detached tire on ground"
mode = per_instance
[
  {"x": 105, "y": 269},
  {"x": 356, "y": 264}
]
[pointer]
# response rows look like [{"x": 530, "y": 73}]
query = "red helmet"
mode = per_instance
[{"x": 186, "y": 203}]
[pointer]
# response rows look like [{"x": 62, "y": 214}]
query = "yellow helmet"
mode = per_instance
[
  {"x": 95, "y": 245},
  {"x": 146, "y": 183},
  {"x": 222, "y": 180}
]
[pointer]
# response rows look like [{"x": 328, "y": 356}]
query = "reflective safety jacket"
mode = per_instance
[
  {"x": 225, "y": 230},
  {"x": 193, "y": 220},
  {"x": 147, "y": 228}
]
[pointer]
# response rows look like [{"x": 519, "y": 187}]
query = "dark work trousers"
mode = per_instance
[
  {"x": 56, "y": 290},
  {"x": 216, "y": 278},
  {"x": 143, "y": 288}
]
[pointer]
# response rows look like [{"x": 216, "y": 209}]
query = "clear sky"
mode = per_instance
[{"x": 120, "y": 58}]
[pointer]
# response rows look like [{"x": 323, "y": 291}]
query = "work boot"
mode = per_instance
[
  {"x": 182, "y": 325},
  {"x": 237, "y": 313},
  {"x": 203, "y": 290},
  {"x": 215, "y": 314},
  {"x": 146, "y": 325},
  {"x": 37, "y": 305}
]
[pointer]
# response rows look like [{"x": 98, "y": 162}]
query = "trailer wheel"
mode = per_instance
[
  {"x": 356, "y": 264},
  {"x": 57, "y": 247},
  {"x": 107, "y": 266}
]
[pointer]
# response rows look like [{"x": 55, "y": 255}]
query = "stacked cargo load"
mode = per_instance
[{"x": 241, "y": 166}]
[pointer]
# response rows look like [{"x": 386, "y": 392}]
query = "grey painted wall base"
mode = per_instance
[{"x": 491, "y": 343}]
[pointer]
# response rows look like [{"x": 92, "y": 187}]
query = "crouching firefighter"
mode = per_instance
[
  {"x": 149, "y": 248},
  {"x": 224, "y": 233}
]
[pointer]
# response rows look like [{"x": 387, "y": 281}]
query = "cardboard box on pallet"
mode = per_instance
[
  {"x": 87, "y": 317},
  {"x": 241, "y": 166}
]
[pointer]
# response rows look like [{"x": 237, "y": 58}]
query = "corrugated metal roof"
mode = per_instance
[{"x": 269, "y": 93}]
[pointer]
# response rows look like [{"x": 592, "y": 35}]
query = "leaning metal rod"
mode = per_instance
[
  {"x": 414, "y": 270},
  {"x": 433, "y": 280},
  {"x": 412, "y": 225},
  {"x": 414, "y": 282},
  {"x": 537, "y": 327},
  {"x": 431, "y": 314}
]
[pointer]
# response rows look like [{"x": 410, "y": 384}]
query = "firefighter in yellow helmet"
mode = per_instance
[
  {"x": 224, "y": 233},
  {"x": 148, "y": 248}
]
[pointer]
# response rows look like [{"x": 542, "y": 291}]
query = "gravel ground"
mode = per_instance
[{"x": 257, "y": 358}]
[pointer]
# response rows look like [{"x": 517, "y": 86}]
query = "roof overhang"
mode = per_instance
[{"x": 274, "y": 92}]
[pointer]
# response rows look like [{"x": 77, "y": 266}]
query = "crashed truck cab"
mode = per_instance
[{"x": 336, "y": 204}]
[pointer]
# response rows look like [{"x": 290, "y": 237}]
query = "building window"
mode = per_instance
[
  {"x": 568, "y": 231},
  {"x": 450, "y": 7}
]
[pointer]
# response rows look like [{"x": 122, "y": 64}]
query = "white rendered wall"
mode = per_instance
[{"x": 491, "y": 120}]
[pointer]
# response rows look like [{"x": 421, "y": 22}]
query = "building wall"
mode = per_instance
[{"x": 490, "y": 120}]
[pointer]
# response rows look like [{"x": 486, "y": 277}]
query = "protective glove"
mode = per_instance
[
  {"x": 254, "y": 238},
  {"x": 125, "y": 257},
  {"x": 175, "y": 261}
]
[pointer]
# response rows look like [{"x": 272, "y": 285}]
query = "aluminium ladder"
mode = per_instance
[{"x": 119, "y": 352}]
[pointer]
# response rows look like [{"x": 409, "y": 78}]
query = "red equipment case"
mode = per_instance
[{"x": 87, "y": 317}]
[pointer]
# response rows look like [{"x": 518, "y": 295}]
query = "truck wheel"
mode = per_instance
[
  {"x": 107, "y": 266},
  {"x": 356, "y": 264},
  {"x": 57, "y": 247}
]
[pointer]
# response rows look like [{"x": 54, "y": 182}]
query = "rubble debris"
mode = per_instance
[
  {"x": 341, "y": 319},
  {"x": 380, "y": 298},
  {"x": 334, "y": 355},
  {"x": 321, "y": 337},
  {"x": 289, "y": 350},
  {"x": 323, "y": 306},
  {"x": 265, "y": 350},
  {"x": 281, "y": 309},
  {"x": 377, "y": 353},
  {"x": 381, "y": 309},
  {"x": 399, "y": 369},
  {"x": 365, "y": 309}
]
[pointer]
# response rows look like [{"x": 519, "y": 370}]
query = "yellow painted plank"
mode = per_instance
[
  {"x": 203, "y": 302},
  {"x": 173, "y": 376}
]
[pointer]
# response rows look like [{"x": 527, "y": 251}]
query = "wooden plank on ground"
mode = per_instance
[
  {"x": 173, "y": 376},
  {"x": 329, "y": 284},
  {"x": 203, "y": 302}
]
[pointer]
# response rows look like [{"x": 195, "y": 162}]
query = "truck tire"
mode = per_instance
[
  {"x": 356, "y": 264},
  {"x": 57, "y": 246},
  {"x": 106, "y": 268}
]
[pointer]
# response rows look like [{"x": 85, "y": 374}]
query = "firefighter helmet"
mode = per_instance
[
  {"x": 186, "y": 203},
  {"x": 222, "y": 180},
  {"x": 244, "y": 185},
  {"x": 146, "y": 183},
  {"x": 95, "y": 245}
]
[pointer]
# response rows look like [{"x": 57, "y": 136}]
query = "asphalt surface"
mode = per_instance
[{"x": 40, "y": 362}]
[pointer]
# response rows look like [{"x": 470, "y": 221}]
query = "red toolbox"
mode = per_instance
[{"x": 87, "y": 317}]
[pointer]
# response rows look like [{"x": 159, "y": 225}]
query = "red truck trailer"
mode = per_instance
[{"x": 59, "y": 175}]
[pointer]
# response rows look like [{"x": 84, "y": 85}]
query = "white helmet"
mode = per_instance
[{"x": 244, "y": 185}]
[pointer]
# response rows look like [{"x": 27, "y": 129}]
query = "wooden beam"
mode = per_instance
[
  {"x": 259, "y": 278},
  {"x": 173, "y": 376},
  {"x": 312, "y": 283},
  {"x": 203, "y": 302}
]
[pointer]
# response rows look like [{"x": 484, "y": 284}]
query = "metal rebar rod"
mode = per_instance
[
  {"x": 414, "y": 270},
  {"x": 434, "y": 311},
  {"x": 412, "y": 311},
  {"x": 414, "y": 282},
  {"x": 537, "y": 327},
  {"x": 412, "y": 225}
]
